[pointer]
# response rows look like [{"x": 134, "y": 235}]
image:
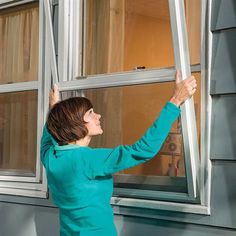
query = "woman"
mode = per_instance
[{"x": 79, "y": 177}]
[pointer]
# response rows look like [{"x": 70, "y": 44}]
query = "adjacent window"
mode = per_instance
[{"x": 20, "y": 100}]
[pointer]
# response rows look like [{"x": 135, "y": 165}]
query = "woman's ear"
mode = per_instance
[{"x": 86, "y": 117}]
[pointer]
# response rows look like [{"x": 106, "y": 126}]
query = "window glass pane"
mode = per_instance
[
  {"x": 193, "y": 20},
  {"x": 126, "y": 114},
  {"x": 19, "y": 35},
  {"x": 121, "y": 35},
  {"x": 18, "y": 133}
]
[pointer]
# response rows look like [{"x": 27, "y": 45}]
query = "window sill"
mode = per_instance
[{"x": 158, "y": 205}]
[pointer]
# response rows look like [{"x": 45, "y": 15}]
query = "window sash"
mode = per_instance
[
  {"x": 20, "y": 87},
  {"x": 125, "y": 79},
  {"x": 181, "y": 51}
]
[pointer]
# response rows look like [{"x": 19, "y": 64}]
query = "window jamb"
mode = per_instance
[{"x": 206, "y": 102}]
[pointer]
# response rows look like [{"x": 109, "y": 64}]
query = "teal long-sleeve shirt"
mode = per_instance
[{"x": 80, "y": 178}]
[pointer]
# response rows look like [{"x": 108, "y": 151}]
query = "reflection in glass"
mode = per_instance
[
  {"x": 19, "y": 29},
  {"x": 126, "y": 35},
  {"x": 18, "y": 132}
]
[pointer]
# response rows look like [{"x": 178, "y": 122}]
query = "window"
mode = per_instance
[
  {"x": 118, "y": 60},
  {"x": 20, "y": 102}
]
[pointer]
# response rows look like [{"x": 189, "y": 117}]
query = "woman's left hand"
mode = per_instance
[{"x": 54, "y": 96}]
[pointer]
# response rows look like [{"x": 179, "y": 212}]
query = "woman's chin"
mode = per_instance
[{"x": 99, "y": 132}]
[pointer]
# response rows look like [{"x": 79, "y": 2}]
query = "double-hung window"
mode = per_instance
[
  {"x": 20, "y": 100},
  {"x": 122, "y": 55}
]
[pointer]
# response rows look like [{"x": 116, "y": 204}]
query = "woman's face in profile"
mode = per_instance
[{"x": 93, "y": 123}]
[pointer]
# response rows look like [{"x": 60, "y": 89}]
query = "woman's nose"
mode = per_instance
[{"x": 98, "y": 116}]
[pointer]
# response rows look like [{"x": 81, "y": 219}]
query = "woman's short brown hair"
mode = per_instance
[{"x": 65, "y": 120}]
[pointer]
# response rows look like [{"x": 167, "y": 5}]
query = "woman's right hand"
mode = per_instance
[
  {"x": 54, "y": 96},
  {"x": 184, "y": 89}
]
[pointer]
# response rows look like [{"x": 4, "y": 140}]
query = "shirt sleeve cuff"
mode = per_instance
[{"x": 173, "y": 108}]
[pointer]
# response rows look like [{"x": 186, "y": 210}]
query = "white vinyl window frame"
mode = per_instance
[
  {"x": 196, "y": 178},
  {"x": 35, "y": 186},
  {"x": 70, "y": 68}
]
